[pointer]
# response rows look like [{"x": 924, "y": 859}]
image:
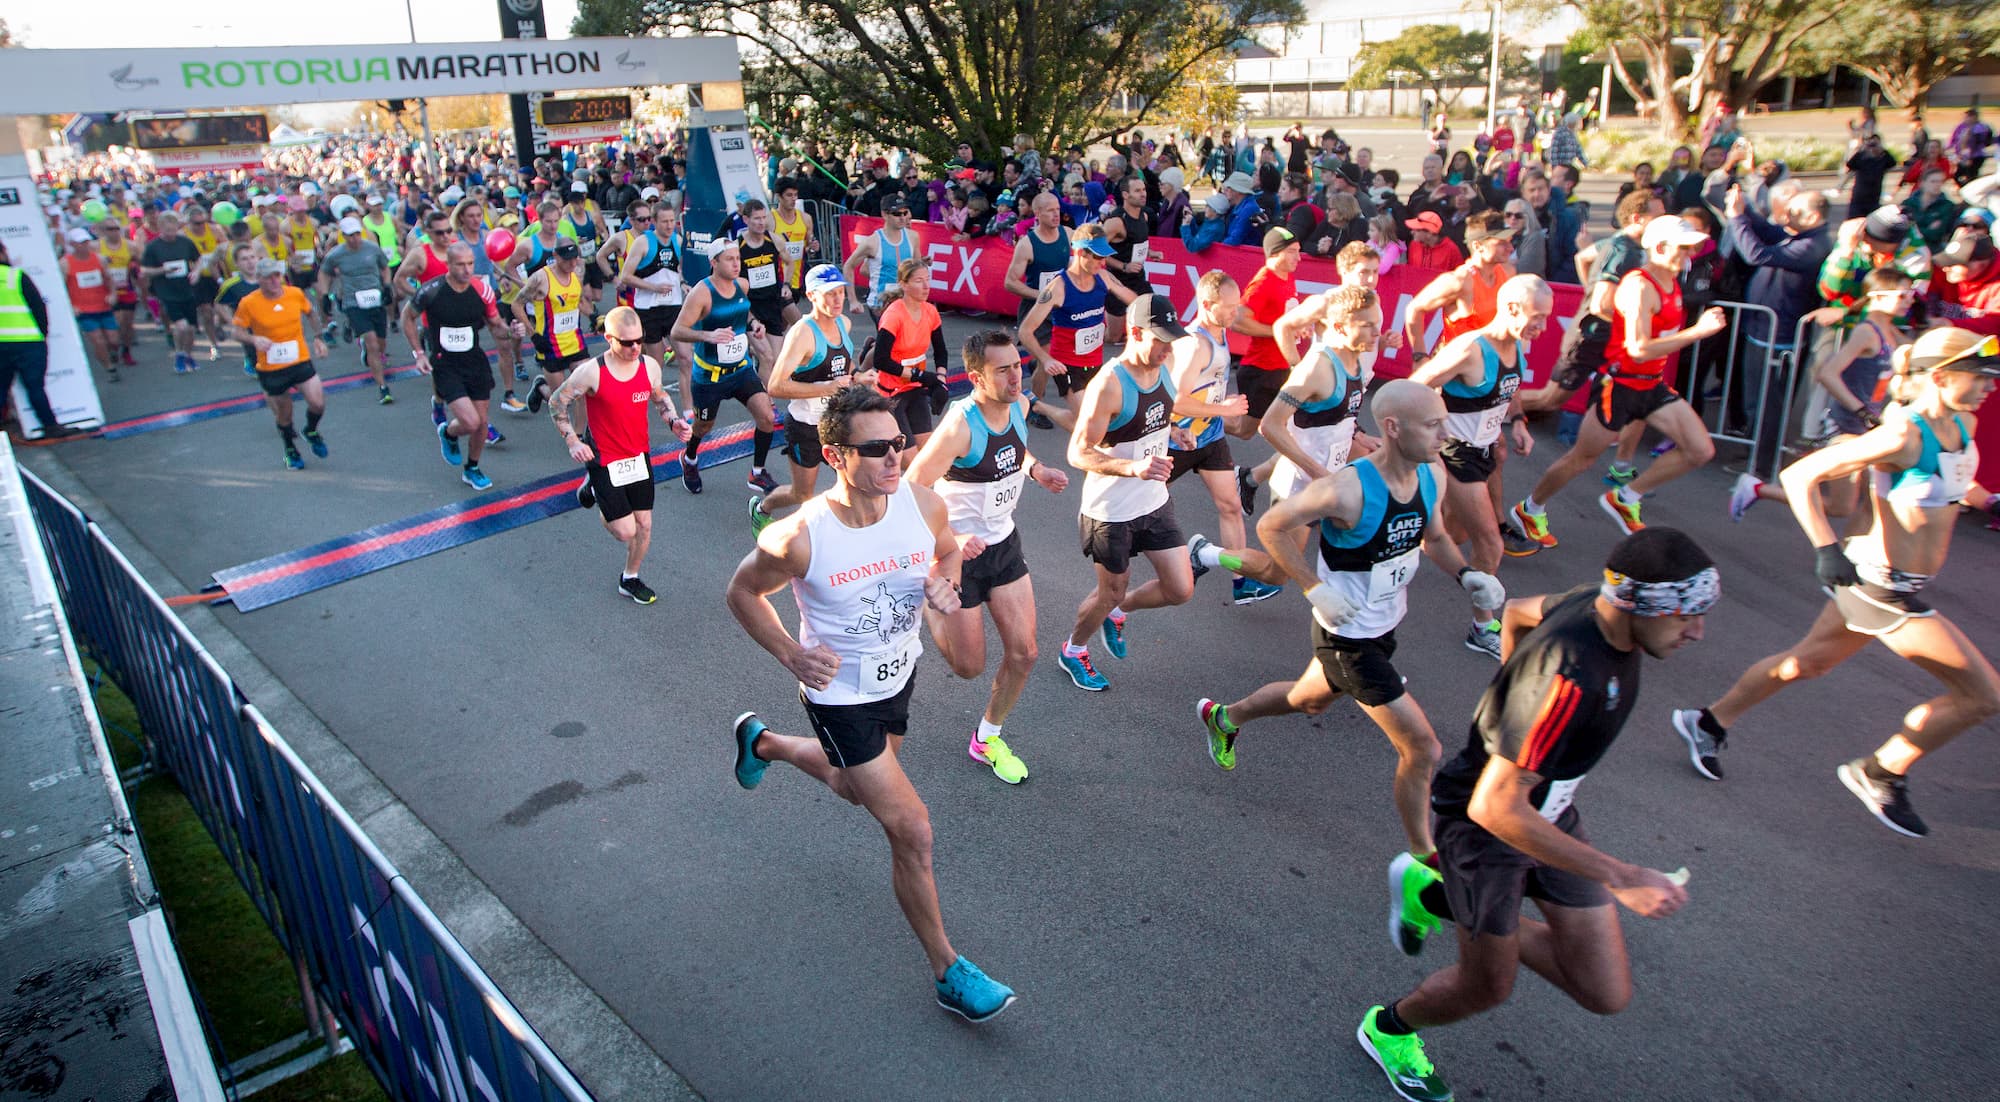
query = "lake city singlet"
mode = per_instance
[
  {"x": 827, "y": 363},
  {"x": 1372, "y": 563},
  {"x": 1324, "y": 427},
  {"x": 1473, "y": 411},
  {"x": 982, "y": 487},
  {"x": 1139, "y": 430}
]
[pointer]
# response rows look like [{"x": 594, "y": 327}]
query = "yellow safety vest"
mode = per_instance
[{"x": 17, "y": 322}]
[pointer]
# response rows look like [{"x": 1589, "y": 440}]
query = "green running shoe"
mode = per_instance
[
  {"x": 1221, "y": 743},
  {"x": 759, "y": 519},
  {"x": 995, "y": 755},
  {"x": 1401, "y": 1058},
  {"x": 1410, "y": 922}
]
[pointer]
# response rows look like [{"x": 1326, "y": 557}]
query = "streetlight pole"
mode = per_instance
[
  {"x": 1493, "y": 67},
  {"x": 423, "y": 104}
]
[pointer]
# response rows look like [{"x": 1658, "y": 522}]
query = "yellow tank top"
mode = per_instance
[
  {"x": 791, "y": 243},
  {"x": 304, "y": 242},
  {"x": 205, "y": 240},
  {"x": 118, "y": 265},
  {"x": 561, "y": 314}
]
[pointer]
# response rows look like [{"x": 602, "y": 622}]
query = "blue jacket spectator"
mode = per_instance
[
  {"x": 1240, "y": 226},
  {"x": 1207, "y": 225},
  {"x": 1785, "y": 262}
]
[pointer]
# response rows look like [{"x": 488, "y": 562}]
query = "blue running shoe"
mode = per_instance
[
  {"x": 970, "y": 993},
  {"x": 495, "y": 436},
  {"x": 1248, "y": 591},
  {"x": 749, "y": 767},
  {"x": 437, "y": 412},
  {"x": 317, "y": 441},
  {"x": 474, "y": 477},
  {"x": 448, "y": 447},
  {"x": 1113, "y": 634},
  {"x": 1084, "y": 674},
  {"x": 293, "y": 459}
]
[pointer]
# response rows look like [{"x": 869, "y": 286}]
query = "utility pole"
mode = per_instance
[{"x": 1493, "y": 67}]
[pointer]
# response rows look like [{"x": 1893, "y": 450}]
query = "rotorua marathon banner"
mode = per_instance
[{"x": 970, "y": 275}]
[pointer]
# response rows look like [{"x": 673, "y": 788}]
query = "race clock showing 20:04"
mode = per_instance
[{"x": 586, "y": 109}]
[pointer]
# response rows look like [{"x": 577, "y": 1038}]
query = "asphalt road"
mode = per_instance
[{"x": 1174, "y": 931}]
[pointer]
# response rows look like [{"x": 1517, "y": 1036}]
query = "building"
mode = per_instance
[{"x": 1302, "y": 71}]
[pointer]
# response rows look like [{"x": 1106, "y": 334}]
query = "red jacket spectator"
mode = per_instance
[{"x": 1969, "y": 294}]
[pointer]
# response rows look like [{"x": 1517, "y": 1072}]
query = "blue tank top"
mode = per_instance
[
  {"x": 1344, "y": 401},
  {"x": 887, "y": 259},
  {"x": 1044, "y": 260},
  {"x": 724, "y": 313},
  {"x": 1473, "y": 411},
  {"x": 1860, "y": 378},
  {"x": 1079, "y": 309}
]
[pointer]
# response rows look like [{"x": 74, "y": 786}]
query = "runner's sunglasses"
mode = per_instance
[{"x": 878, "y": 449}]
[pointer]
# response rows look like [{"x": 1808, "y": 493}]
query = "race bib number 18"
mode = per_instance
[{"x": 1388, "y": 577}]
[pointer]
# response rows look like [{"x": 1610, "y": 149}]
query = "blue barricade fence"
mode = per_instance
[{"x": 425, "y": 1016}]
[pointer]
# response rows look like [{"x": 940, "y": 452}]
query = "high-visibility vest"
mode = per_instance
[{"x": 17, "y": 322}]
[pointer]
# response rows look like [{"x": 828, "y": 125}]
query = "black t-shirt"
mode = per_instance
[
  {"x": 453, "y": 319},
  {"x": 1553, "y": 709},
  {"x": 172, "y": 286}
]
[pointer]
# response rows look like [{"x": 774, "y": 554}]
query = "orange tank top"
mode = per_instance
[
  {"x": 89, "y": 284},
  {"x": 1485, "y": 301}
]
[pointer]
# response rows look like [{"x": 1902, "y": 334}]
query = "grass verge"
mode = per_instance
[{"x": 233, "y": 961}]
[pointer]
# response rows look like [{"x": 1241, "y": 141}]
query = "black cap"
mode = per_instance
[
  {"x": 1966, "y": 249},
  {"x": 1155, "y": 314},
  {"x": 568, "y": 250},
  {"x": 1888, "y": 225},
  {"x": 895, "y": 202}
]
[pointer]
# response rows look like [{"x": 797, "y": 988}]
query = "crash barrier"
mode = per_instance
[
  {"x": 826, "y": 237},
  {"x": 424, "y": 1015},
  {"x": 971, "y": 275}
]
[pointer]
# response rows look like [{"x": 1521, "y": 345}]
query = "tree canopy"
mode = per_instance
[
  {"x": 927, "y": 74},
  {"x": 1437, "y": 56},
  {"x": 1909, "y": 46}
]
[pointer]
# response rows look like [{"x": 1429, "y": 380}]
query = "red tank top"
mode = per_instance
[
  {"x": 1667, "y": 319},
  {"x": 95, "y": 298},
  {"x": 434, "y": 265},
  {"x": 618, "y": 413}
]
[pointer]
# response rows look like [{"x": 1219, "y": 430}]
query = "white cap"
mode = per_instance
[
  {"x": 578, "y": 187},
  {"x": 265, "y": 200},
  {"x": 451, "y": 195},
  {"x": 80, "y": 235},
  {"x": 350, "y": 224},
  {"x": 308, "y": 188},
  {"x": 717, "y": 247},
  {"x": 374, "y": 200},
  {"x": 650, "y": 193},
  {"x": 1671, "y": 230}
]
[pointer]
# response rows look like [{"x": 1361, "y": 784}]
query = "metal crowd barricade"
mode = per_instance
[
  {"x": 826, "y": 229},
  {"x": 428, "y": 1020},
  {"x": 1732, "y": 339}
]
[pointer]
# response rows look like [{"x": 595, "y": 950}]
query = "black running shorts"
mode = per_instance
[
  {"x": 1617, "y": 406},
  {"x": 856, "y": 734},
  {"x": 1485, "y": 879},
  {"x": 998, "y": 565},
  {"x": 1465, "y": 463},
  {"x": 279, "y": 380},
  {"x": 1212, "y": 456},
  {"x": 616, "y": 502},
  {"x": 1361, "y": 668},
  {"x": 1112, "y": 543}
]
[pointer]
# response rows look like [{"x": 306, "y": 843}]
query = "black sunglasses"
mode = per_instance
[
  {"x": 878, "y": 449},
  {"x": 623, "y": 343}
]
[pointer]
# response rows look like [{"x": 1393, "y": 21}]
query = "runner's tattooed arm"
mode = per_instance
[{"x": 580, "y": 382}]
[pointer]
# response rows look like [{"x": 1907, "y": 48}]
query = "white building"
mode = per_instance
[{"x": 1302, "y": 72}]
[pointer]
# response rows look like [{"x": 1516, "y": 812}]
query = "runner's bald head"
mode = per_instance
[
  {"x": 1525, "y": 290},
  {"x": 1404, "y": 401}
]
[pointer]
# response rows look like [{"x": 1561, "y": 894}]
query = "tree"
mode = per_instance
[
  {"x": 1437, "y": 56},
  {"x": 1740, "y": 46},
  {"x": 1203, "y": 100},
  {"x": 1909, "y": 46},
  {"x": 929, "y": 73}
]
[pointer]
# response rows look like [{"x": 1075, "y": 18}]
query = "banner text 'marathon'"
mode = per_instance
[{"x": 330, "y": 71}]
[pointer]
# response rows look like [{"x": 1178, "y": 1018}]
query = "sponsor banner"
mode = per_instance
[
  {"x": 584, "y": 133},
  {"x": 25, "y": 231},
  {"x": 971, "y": 274},
  {"x": 721, "y": 161},
  {"x": 523, "y": 20},
  {"x": 215, "y": 159},
  {"x": 57, "y": 82}
]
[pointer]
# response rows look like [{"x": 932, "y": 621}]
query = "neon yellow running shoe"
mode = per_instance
[
  {"x": 1221, "y": 732},
  {"x": 996, "y": 754},
  {"x": 1410, "y": 922},
  {"x": 1401, "y": 1058}
]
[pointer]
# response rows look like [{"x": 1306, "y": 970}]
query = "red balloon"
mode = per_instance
[{"x": 500, "y": 245}]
